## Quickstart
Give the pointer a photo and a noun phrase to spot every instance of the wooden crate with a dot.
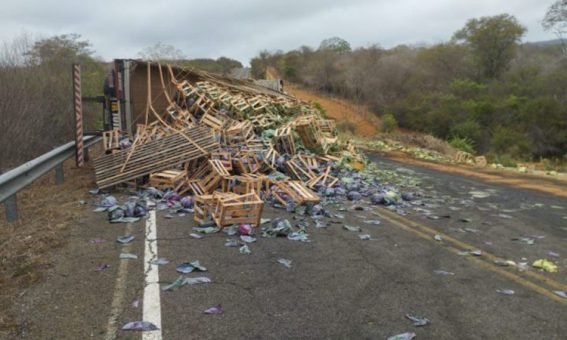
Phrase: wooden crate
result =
(186, 88)
(239, 133)
(324, 179)
(327, 127)
(192, 185)
(235, 209)
(246, 162)
(265, 183)
(270, 158)
(167, 179)
(214, 120)
(206, 179)
(111, 140)
(295, 190)
(210, 183)
(309, 161)
(310, 135)
(202, 207)
(299, 170)
(219, 168)
(224, 157)
(283, 141)
(255, 145)
(480, 161)
(242, 184)
(197, 168)
(257, 103)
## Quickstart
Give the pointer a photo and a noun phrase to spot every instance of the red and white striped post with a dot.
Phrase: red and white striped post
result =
(78, 105)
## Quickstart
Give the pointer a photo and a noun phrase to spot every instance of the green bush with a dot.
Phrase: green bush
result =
(509, 141)
(504, 159)
(320, 108)
(462, 143)
(389, 123)
(468, 129)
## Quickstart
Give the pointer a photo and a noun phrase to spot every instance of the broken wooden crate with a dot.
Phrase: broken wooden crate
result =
(283, 141)
(111, 140)
(296, 191)
(167, 179)
(309, 132)
(325, 179)
(242, 184)
(213, 174)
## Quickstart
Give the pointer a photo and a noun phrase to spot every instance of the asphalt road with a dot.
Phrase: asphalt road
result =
(338, 286)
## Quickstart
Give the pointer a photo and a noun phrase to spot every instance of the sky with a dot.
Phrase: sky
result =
(239, 29)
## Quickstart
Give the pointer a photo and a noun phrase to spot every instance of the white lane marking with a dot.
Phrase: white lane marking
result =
(152, 304)
(119, 290)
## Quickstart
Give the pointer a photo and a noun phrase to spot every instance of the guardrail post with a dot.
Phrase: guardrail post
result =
(11, 206)
(59, 176)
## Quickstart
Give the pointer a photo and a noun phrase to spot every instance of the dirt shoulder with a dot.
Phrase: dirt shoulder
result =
(46, 213)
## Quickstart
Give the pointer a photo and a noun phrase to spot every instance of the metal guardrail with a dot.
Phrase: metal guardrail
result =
(16, 179)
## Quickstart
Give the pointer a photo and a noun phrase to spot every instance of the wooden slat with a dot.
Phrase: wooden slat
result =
(154, 156)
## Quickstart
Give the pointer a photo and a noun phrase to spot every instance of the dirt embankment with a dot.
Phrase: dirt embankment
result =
(364, 122)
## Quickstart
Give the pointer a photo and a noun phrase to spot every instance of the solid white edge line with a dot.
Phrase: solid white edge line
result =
(151, 303)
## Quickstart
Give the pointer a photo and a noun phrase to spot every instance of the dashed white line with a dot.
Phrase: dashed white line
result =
(151, 303)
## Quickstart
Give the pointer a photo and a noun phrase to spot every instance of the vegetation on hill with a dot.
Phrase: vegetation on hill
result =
(36, 107)
(483, 90)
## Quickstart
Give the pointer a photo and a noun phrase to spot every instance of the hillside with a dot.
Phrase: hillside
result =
(362, 122)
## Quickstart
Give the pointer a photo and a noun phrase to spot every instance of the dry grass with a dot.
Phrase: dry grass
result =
(45, 213)
(423, 141)
(366, 122)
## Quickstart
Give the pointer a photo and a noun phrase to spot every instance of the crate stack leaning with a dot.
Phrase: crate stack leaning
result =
(230, 146)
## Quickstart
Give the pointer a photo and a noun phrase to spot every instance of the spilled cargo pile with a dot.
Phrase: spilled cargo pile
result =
(227, 147)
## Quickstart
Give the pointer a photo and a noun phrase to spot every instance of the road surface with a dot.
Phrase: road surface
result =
(338, 286)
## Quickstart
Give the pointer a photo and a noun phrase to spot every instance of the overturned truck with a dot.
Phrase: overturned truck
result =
(228, 143)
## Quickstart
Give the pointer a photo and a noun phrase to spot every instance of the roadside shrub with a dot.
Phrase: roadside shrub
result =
(389, 123)
(462, 143)
(320, 108)
(504, 159)
(468, 129)
(510, 141)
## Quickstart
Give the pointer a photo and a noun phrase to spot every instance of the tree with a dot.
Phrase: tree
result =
(65, 48)
(443, 62)
(161, 52)
(260, 63)
(226, 64)
(36, 107)
(493, 41)
(335, 44)
(556, 20)
(54, 57)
